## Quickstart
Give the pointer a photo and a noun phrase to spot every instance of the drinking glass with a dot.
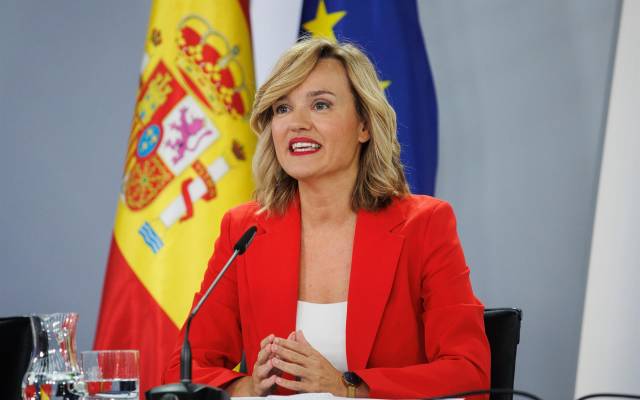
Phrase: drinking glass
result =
(111, 374)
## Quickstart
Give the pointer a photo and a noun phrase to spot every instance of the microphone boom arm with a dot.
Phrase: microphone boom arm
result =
(185, 367)
(185, 356)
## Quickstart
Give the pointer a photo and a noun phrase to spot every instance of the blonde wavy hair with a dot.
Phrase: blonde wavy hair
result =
(380, 173)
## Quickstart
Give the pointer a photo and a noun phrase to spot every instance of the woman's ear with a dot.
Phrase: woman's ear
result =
(363, 134)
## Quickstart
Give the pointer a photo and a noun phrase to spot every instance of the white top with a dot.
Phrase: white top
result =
(325, 327)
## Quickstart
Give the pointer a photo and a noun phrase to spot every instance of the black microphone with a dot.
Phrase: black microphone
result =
(245, 240)
(186, 390)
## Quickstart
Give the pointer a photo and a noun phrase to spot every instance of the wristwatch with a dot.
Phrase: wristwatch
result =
(351, 381)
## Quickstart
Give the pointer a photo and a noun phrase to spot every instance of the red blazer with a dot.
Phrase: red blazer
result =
(414, 326)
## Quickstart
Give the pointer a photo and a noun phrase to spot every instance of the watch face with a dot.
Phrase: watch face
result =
(352, 378)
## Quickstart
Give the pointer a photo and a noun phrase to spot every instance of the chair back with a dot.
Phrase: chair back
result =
(16, 346)
(502, 326)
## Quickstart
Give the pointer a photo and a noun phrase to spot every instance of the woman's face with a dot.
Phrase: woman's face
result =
(316, 130)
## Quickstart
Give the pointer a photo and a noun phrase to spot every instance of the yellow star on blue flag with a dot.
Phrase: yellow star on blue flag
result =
(323, 23)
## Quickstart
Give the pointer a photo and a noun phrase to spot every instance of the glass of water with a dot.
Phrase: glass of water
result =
(111, 374)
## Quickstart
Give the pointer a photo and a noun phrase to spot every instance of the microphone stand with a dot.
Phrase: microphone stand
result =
(187, 390)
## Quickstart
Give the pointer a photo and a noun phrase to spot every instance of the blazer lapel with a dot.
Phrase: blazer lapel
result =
(374, 262)
(272, 273)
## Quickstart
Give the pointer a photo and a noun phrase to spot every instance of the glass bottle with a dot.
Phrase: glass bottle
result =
(53, 372)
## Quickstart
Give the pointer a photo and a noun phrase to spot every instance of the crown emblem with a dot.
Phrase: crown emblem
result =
(209, 65)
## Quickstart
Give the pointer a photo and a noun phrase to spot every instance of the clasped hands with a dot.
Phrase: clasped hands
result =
(295, 356)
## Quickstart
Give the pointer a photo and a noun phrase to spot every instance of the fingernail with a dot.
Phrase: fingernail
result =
(276, 340)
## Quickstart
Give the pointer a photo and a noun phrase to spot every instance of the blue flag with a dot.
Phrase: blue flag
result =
(389, 32)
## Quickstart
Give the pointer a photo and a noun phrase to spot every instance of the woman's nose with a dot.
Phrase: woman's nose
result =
(299, 120)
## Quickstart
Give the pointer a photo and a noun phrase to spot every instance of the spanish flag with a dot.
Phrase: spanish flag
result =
(188, 161)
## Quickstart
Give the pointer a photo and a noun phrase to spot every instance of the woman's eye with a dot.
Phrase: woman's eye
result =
(321, 105)
(281, 109)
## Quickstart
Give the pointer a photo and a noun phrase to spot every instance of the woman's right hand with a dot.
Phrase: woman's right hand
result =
(264, 374)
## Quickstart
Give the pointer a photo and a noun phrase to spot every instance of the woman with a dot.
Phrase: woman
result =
(352, 285)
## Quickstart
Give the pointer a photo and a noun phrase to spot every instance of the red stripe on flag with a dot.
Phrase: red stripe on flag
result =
(244, 4)
(131, 319)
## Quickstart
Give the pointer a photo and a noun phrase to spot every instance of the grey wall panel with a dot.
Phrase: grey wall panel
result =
(68, 81)
(522, 90)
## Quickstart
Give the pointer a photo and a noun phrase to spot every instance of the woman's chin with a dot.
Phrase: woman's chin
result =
(301, 172)
(303, 177)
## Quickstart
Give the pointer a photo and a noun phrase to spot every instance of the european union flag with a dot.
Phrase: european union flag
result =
(389, 32)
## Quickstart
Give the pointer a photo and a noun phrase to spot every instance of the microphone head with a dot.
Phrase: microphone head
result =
(245, 240)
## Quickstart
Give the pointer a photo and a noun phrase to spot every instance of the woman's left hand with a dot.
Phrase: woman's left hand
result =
(297, 357)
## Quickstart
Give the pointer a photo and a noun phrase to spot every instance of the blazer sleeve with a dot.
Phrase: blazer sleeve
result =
(455, 343)
(215, 334)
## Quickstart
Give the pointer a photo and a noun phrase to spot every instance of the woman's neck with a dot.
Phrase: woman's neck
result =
(325, 203)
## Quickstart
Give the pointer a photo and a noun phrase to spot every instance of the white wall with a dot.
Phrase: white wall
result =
(609, 350)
